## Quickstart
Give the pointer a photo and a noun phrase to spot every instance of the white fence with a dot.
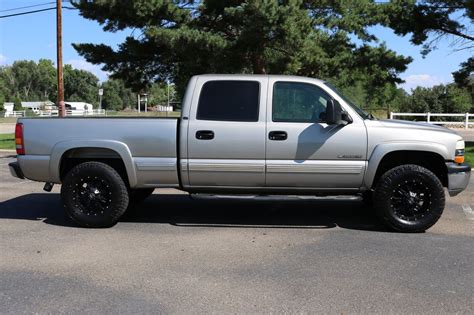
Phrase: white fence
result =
(465, 121)
(54, 112)
(19, 113)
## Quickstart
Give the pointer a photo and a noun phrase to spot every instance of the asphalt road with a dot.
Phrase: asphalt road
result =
(174, 254)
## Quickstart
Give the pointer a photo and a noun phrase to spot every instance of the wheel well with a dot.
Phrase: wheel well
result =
(429, 160)
(77, 156)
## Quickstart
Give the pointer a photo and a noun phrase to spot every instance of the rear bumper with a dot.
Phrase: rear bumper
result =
(15, 170)
(458, 177)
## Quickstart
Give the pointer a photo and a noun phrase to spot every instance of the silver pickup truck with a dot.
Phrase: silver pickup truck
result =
(247, 134)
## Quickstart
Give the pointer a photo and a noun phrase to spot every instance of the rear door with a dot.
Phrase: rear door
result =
(226, 133)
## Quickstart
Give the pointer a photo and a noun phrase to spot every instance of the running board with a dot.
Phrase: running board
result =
(274, 197)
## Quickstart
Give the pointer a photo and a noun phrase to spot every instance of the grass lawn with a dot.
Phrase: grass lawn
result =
(7, 141)
(469, 153)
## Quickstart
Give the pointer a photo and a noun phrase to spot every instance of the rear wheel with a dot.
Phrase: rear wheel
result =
(94, 195)
(409, 198)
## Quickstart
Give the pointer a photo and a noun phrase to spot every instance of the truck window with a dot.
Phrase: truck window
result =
(229, 101)
(298, 102)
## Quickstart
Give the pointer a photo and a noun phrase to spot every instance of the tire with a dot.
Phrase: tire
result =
(94, 195)
(409, 198)
(139, 195)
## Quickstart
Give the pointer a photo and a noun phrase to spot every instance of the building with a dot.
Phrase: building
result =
(78, 106)
(37, 106)
(8, 108)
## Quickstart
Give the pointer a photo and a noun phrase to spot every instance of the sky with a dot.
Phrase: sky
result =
(33, 37)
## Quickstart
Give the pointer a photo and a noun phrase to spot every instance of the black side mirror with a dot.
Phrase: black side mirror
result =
(333, 113)
(345, 117)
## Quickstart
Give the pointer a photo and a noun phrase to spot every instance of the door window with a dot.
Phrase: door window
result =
(298, 102)
(229, 101)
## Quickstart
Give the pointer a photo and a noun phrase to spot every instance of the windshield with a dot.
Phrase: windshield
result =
(359, 110)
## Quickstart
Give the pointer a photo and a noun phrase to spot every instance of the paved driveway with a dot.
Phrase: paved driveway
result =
(178, 255)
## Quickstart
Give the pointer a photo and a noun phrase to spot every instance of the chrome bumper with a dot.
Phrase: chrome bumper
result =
(15, 170)
(458, 177)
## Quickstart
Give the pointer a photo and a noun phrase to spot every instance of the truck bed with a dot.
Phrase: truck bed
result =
(148, 146)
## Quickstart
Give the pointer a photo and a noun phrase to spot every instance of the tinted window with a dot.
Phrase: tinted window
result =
(298, 102)
(229, 101)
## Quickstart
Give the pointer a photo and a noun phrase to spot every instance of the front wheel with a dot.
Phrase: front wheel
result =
(409, 198)
(94, 195)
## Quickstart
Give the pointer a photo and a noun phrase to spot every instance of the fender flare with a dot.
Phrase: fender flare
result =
(119, 147)
(381, 150)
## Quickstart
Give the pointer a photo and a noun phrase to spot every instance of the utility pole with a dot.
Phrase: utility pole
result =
(59, 47)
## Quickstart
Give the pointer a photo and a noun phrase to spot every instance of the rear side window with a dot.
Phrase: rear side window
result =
(229, 101)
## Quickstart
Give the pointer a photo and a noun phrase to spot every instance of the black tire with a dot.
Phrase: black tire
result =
(139, 195)
(94, 195)
(409, 198)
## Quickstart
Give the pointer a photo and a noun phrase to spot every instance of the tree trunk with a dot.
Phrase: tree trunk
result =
(258, 64)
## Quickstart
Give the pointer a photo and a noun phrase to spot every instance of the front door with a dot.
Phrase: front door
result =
(226, 134)
(302, 150)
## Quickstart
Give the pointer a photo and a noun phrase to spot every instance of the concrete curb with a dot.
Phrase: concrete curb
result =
(7, 153)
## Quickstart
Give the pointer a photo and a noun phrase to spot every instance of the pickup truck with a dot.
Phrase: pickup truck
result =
(247, 134)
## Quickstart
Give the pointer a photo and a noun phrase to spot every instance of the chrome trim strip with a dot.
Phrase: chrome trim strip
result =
(241, 166)
(155, 164)
(315, 167)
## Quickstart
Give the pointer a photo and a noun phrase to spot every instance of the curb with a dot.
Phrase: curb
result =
(8, 153)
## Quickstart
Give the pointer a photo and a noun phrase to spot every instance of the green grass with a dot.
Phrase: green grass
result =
(469, 153)
(7, 141)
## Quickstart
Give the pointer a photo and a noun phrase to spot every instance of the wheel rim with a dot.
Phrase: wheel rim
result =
(411, 200)
(92, 195)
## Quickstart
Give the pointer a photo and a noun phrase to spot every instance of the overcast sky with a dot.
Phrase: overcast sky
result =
(33, 37)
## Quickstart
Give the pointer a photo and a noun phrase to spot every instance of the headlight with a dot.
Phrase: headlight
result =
(459, 153)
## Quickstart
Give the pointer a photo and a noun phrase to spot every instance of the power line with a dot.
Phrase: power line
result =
(34, 11)
(27, 7)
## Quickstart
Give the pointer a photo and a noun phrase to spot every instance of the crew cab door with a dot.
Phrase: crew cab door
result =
(226, 133)
(304, 151)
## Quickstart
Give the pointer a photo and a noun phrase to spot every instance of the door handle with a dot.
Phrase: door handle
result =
(277, 135)
(205, 134)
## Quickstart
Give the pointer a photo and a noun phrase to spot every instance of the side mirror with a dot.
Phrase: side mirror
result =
(345, 117)
(333, 113)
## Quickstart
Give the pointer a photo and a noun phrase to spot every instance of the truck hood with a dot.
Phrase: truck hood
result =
(393, 123)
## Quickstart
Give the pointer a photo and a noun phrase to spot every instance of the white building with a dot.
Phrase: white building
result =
(37, 106)
(8, 108)
(78, 106)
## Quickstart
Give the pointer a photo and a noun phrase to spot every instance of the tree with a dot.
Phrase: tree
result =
(178, 39)
(459, 100)
(116, 95)
(17, 104)
(158, 94)
(46, 86)
(80, 86)
(429, 21)
(432, 21)
(438, 99)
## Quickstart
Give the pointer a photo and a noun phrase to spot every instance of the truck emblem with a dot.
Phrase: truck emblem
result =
(349, 156)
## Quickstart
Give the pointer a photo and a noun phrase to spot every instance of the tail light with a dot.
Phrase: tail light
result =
(20, 144)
